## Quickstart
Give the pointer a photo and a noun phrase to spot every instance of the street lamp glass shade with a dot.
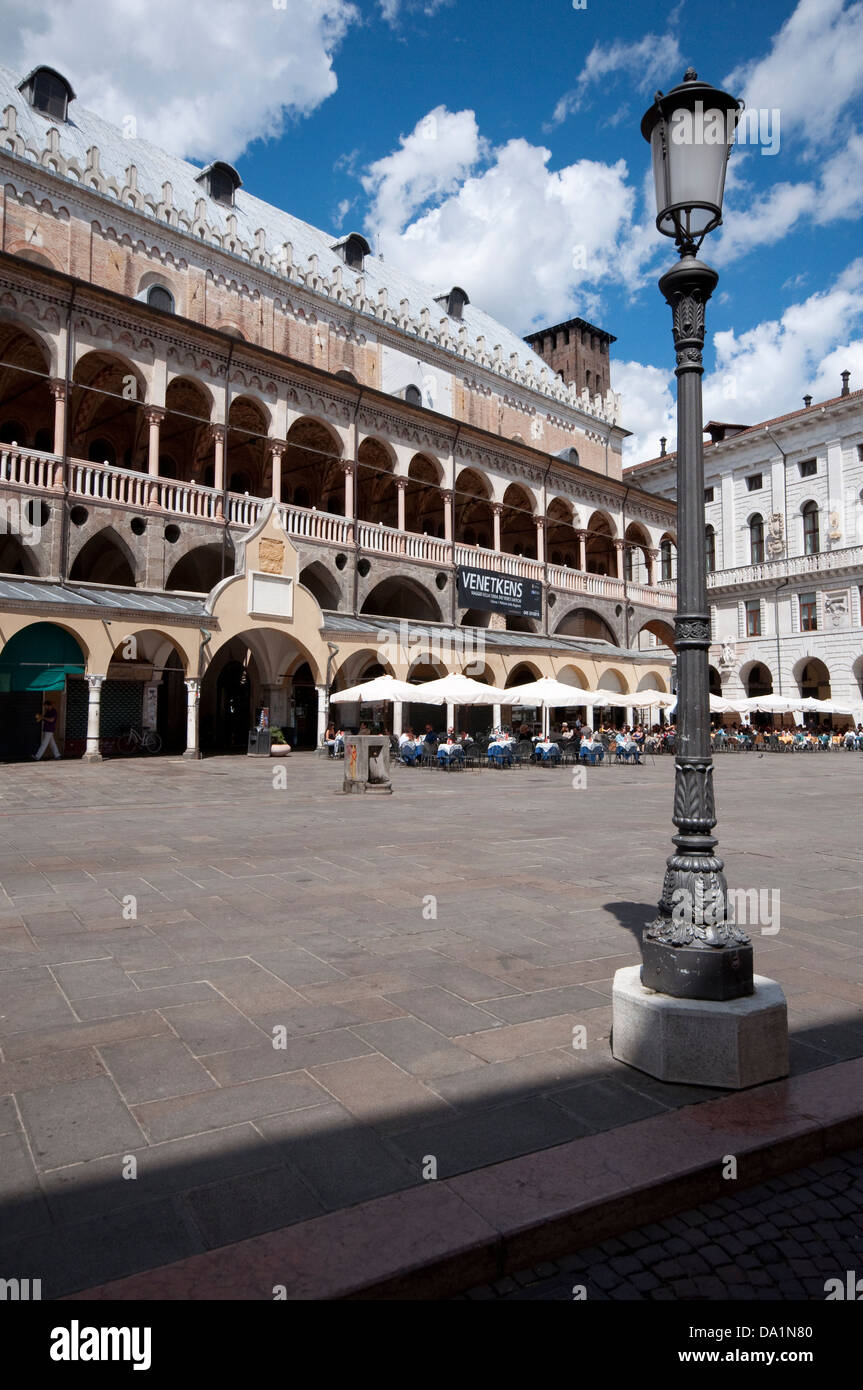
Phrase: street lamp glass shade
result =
(691, 132)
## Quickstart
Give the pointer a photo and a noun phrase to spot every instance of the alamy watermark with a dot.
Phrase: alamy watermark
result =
(462, 650)
(753, 907)
(753, 127)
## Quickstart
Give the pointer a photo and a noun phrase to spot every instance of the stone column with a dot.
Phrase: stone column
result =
(581, 543)
(540, 538)
(217, 434)
(449, 529)
(398, 717)
(348, 468)
(619, 546)
(322, 712)
(277, 449)
(497, 510)
(94, 710)
(154, 415)
(193, 696)
(450, 716)
(495, 716)
(651, 557)
(401, 489)
(57, 387)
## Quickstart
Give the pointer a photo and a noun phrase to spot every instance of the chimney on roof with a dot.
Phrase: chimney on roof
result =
(846, 377)
(807, 401)
(662, 443)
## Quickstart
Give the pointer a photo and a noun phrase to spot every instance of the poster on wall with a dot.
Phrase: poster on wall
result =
(499, 593)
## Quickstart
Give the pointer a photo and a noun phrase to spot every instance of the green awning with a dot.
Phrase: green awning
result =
(40, 657)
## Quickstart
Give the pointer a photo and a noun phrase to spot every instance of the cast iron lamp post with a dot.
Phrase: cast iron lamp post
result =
(692, 950)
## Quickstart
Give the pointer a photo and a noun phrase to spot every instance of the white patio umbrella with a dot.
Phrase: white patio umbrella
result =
(375, 690)
(768, 704)
(645, 699)
(457, 690)
(547, 693)
(718, 705)
(813, 706)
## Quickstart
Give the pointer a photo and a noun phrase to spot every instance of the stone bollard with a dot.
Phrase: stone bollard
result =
(367, 763)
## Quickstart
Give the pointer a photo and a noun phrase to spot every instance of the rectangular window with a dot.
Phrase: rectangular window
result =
(708, 495)
(753, 618)
(808, 613)
(808, 468)
(755, 482)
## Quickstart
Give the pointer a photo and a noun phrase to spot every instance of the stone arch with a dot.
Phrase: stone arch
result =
(522, 673)
(662, 631)
(402, 597)
(614, 679)
(199, 570)
(321, 584)
(358, 666)
(517, 522)
(574, 676)
(668, 558)
(756, 678)
(474, 519)
(424, 503)
(26, 406)
(149, 660)
(377, 499)
(246, 454)
(652, 681)
(104, 559)
(636, 566)
(561, 541)
(600, 552)
(813, 678)
(184, 437)
(18, 558)
(107, 398)
(312, 474)
(41, 660)
(586, 622)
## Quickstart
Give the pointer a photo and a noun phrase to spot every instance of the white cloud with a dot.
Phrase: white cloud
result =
(430, 162)
(758, 374)
(200, 78)
(645, 62)
(649, 408)
(813, 70)
(526, 242)
(391, 10)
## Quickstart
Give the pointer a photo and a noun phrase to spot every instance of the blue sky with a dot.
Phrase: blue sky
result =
(497, 146)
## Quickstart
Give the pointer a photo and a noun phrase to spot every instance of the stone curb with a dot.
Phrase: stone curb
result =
(433, 1241)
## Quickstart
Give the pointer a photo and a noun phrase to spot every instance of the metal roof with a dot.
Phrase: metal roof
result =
(35, 591)
(155, 167)
(503, 641)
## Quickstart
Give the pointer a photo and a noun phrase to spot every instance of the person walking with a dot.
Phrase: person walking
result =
(48, 719)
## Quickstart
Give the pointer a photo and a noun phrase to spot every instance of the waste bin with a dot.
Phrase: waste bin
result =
(259, 743)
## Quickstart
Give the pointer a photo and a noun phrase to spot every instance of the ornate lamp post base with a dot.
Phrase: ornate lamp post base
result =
(697, 972)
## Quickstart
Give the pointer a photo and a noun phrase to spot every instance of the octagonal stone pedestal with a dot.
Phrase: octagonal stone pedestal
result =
(731, 1043)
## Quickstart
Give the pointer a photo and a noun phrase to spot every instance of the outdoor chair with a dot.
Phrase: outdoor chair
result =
(524, 752)
(499, 757)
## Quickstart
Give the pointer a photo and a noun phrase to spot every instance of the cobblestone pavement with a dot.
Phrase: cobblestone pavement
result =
(426, 957)
(780, 1240)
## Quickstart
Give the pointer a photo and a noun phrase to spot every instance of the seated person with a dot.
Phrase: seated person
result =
(430, 738)
(465, 738)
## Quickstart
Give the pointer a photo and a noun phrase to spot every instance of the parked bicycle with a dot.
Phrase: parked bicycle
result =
(147, 740)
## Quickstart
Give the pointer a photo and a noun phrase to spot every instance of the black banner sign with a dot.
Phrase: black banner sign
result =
(499, 593)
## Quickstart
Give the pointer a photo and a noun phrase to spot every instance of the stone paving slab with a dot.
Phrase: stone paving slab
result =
(301, 918)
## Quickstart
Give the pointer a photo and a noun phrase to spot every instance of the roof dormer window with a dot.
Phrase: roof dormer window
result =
(221, 182)
(454, 302)
(48, 92)
(353, 250)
